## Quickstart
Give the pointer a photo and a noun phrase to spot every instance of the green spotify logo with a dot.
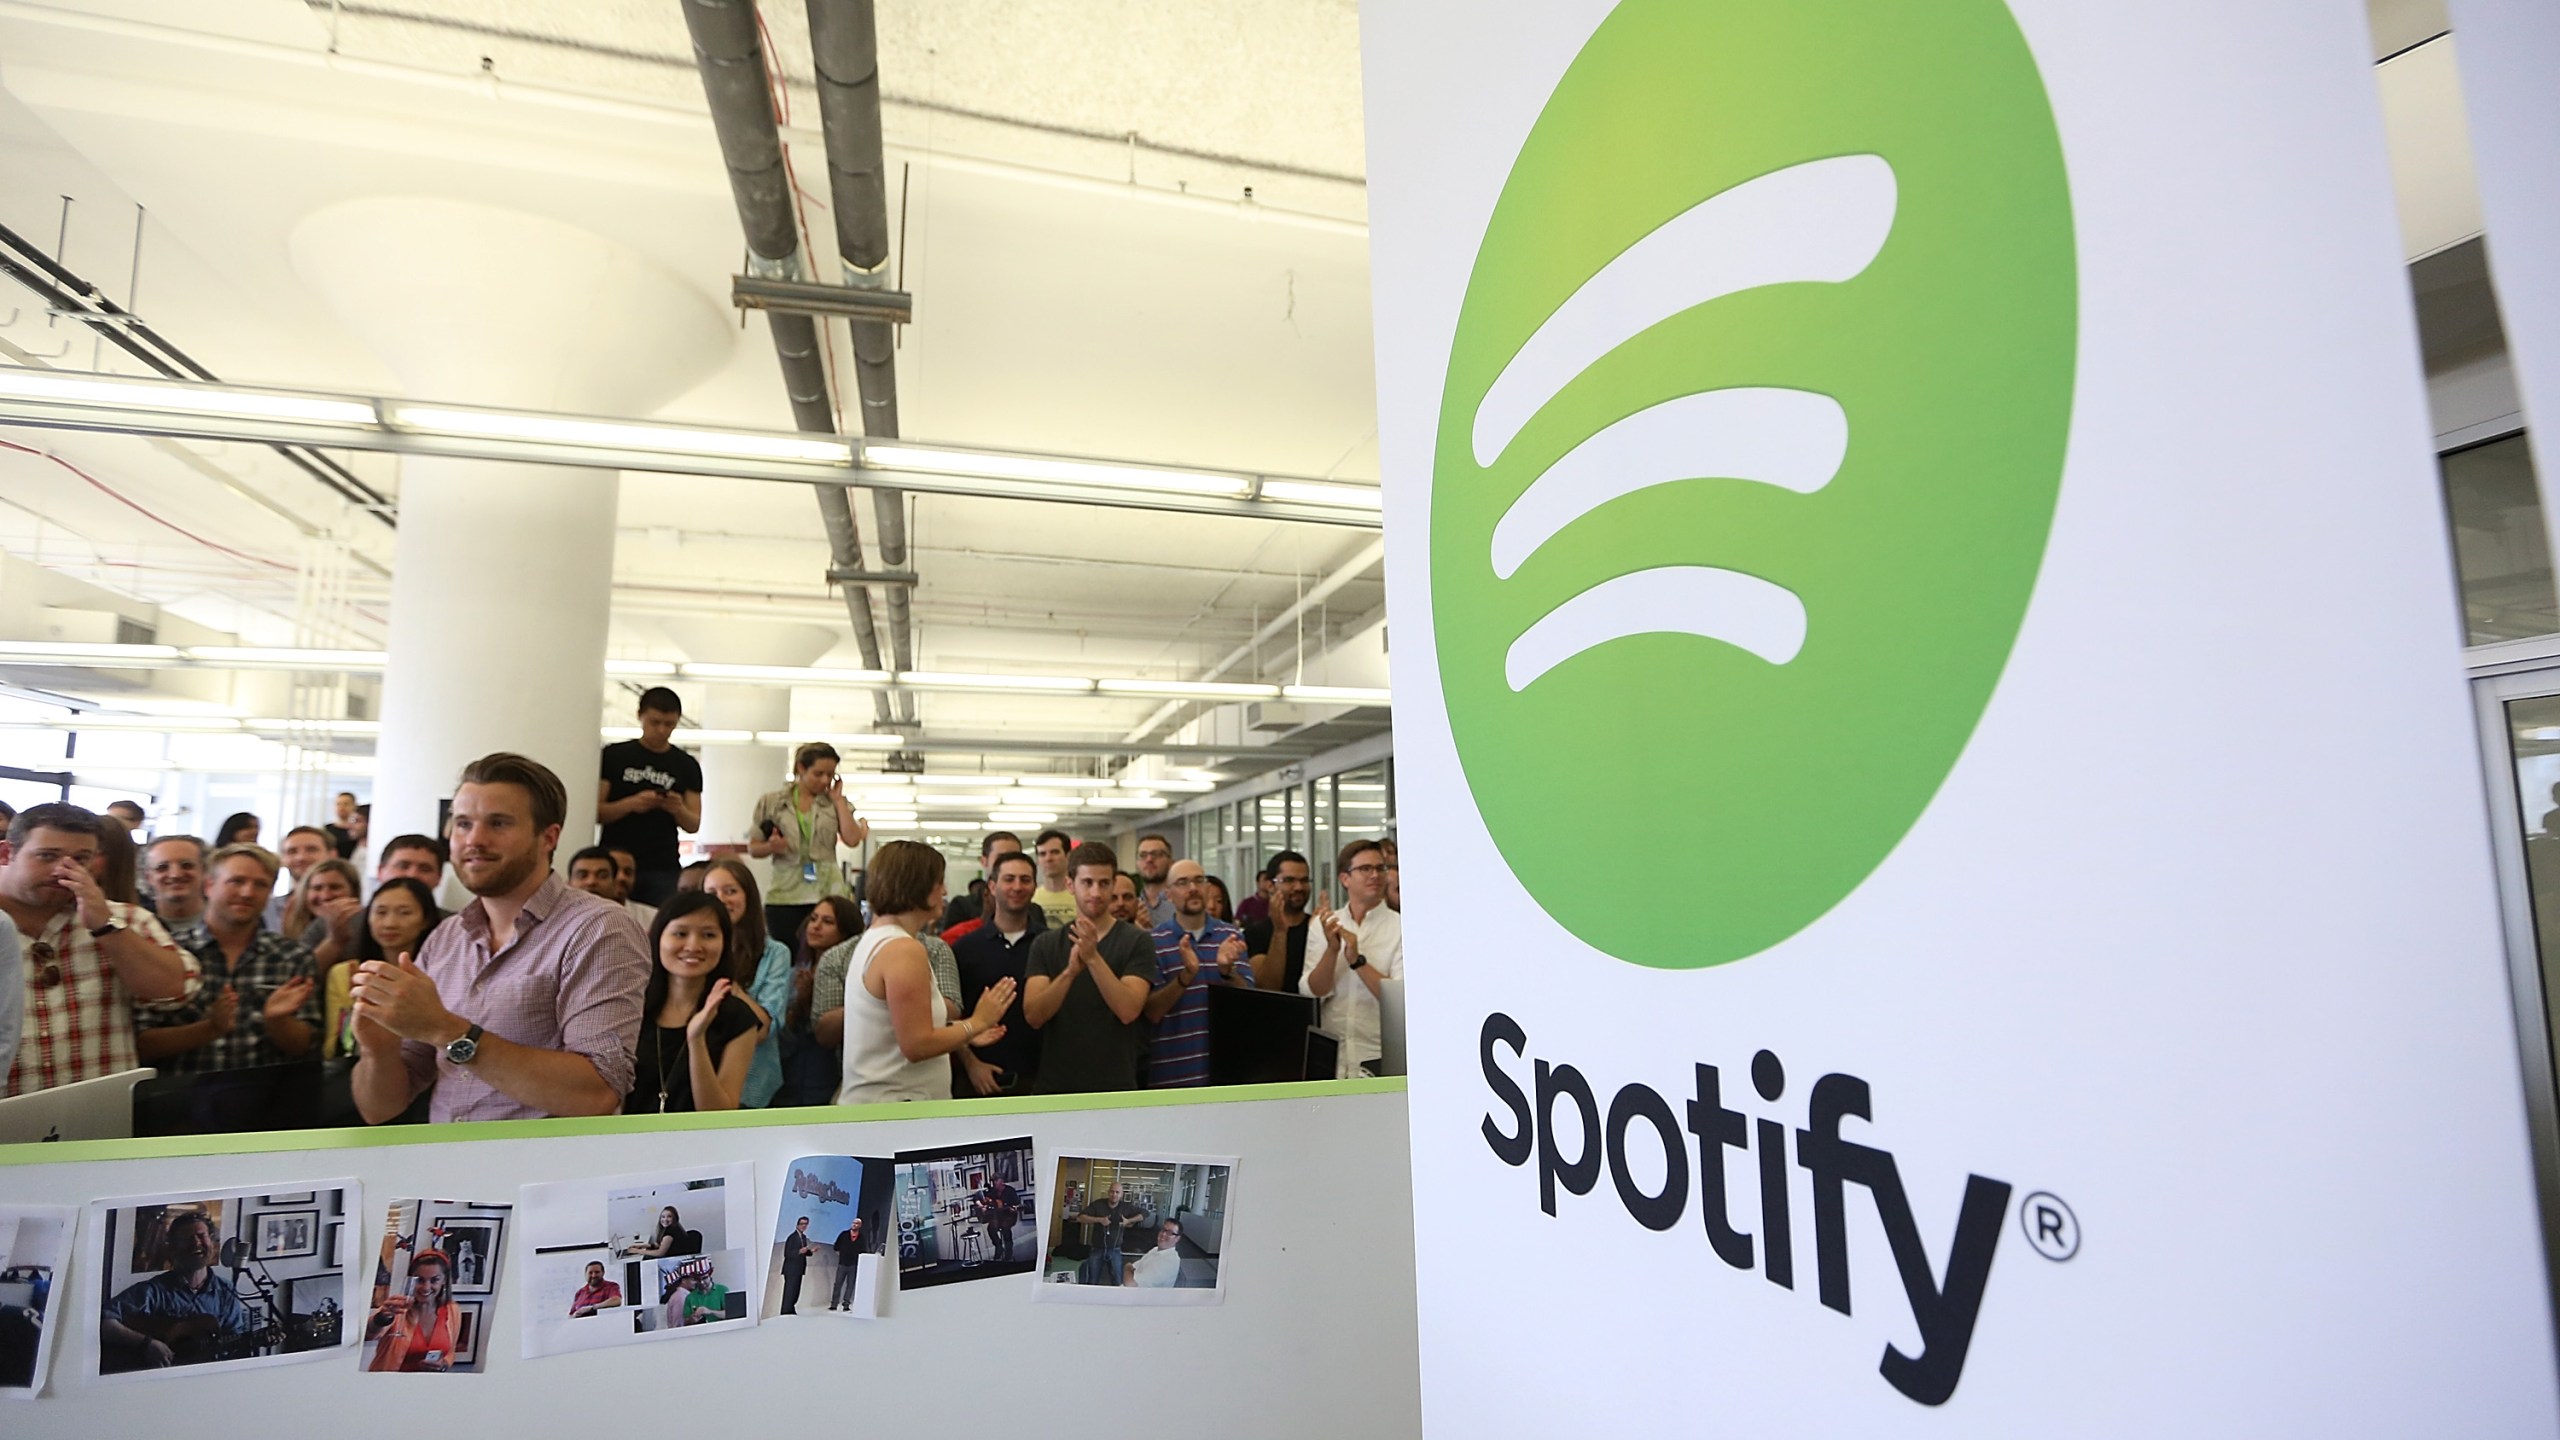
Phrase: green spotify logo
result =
(1754, 424)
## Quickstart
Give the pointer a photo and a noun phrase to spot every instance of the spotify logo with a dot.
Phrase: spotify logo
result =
(1754, 423)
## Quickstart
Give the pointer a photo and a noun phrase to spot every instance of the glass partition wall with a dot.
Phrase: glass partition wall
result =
(1313, 815)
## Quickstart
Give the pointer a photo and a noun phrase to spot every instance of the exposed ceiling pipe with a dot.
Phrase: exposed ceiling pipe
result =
(1368, 558)
(729, 51)
(844, 41)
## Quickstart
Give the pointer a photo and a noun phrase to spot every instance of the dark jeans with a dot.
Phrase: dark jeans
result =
(842, 1294)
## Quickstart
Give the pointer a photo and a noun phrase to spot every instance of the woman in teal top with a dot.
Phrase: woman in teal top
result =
(733, 883)
(796, 830)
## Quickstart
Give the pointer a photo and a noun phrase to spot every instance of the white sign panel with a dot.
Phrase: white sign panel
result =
(1948, 874)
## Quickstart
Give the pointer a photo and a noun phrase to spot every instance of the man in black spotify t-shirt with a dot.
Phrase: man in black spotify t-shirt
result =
(649, 791)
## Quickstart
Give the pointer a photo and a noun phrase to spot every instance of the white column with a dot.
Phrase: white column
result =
(502, 575)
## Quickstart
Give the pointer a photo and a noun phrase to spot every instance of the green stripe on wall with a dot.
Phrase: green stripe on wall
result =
(366, 1137)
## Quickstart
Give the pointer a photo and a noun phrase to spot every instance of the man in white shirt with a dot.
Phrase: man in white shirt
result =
(1363, 949)
(1160, 1268)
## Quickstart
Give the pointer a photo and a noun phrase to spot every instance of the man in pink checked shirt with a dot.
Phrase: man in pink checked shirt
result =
(527, 1002)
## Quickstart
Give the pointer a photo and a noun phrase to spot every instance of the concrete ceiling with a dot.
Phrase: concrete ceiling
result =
(1089, 279)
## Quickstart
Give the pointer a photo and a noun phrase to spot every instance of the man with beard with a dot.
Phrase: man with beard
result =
(196, 1308)
(1155, 863)
(548, 979)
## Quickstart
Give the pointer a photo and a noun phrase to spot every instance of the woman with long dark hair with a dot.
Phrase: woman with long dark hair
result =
(811, 1070)
(240, 829)
(396, 922)
(762, 965)
(697, 1038)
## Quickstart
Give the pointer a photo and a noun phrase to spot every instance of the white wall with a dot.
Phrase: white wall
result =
(1316, 1336)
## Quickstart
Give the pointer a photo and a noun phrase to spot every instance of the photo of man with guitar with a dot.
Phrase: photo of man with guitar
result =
(185, 1315)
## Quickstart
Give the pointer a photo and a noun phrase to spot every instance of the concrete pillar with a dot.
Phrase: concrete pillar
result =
(502, 574)
(733, 776)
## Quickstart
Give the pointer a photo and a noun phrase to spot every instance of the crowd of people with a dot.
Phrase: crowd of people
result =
(629, 981)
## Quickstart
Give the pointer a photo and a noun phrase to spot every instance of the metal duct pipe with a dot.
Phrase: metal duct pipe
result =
(844, 40)
(730, 54)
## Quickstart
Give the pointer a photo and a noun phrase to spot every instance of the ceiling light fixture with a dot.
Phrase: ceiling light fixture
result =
(1338, 694)
(1189, 689)
(57, 388)
(1323, 492)
(1005, 465)
(102, 657)
(785, 674)
(278, 657)
(616, 434)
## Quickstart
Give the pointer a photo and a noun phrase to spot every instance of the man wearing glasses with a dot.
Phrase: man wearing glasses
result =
(1363, 949)
(90, 962)
(1193, 952)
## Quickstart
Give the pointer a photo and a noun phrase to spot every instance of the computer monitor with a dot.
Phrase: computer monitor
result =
(1391, 1026)
(223, 1102)
(100, 1109)
(1257, 1037)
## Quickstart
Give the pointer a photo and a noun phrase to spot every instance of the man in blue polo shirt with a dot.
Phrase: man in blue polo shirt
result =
(1193, 952)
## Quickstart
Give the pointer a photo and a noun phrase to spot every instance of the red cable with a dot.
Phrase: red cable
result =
(146, 514)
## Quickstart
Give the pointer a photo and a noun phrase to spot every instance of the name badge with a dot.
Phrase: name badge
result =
(809, 872)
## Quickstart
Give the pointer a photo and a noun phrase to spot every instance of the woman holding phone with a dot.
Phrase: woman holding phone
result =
(796, 831)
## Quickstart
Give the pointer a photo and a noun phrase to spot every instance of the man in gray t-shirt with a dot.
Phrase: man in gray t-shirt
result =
(1086, 991)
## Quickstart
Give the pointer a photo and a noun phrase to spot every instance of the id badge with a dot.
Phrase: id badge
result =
(808, 872)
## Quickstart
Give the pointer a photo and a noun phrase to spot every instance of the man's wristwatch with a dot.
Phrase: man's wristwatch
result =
(466, 1049)
(1359, 962)
(103, 931)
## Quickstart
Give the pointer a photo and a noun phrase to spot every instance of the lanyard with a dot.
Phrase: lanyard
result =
(808, 827)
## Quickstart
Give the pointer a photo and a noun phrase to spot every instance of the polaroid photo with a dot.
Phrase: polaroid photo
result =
(594, 1249)
(967, 1212)
(830, 1238)
(35, 1253)
(437, 1268)
(214, 1279)
(685, 1291)
(1137, 1229)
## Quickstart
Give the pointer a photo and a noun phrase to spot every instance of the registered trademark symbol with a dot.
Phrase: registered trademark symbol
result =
(2050, 1226)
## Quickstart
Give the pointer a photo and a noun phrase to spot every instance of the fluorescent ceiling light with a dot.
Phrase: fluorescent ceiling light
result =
(717, 737)
(786, 674)
(290, 659)
(1187, 787)
(899, 825)
(639, 670)
(1127, 802)
(616, 434)
(65, 652)
(316, 727)
(947, 680)
(864, 741)
(1006, 466)
(979, 781)
(1061, 782)
(953, 800)
(1189, 689)
(1338, 694)
(622, 732)
(1020, 817)
(1322, 492)
(170, 395)
(150, 724)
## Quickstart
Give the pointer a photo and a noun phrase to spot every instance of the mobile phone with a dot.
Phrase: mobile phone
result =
(768, 829)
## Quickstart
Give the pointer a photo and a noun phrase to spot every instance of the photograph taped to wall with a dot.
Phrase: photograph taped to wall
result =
(686, 1291)
(35, 1246)
(593, 1248)
(1137, 1229)
(966, 1212)
(215, 1279)
(830, 1237)
(433, 1254)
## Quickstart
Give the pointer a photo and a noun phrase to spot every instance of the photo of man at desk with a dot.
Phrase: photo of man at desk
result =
(1138, 1230)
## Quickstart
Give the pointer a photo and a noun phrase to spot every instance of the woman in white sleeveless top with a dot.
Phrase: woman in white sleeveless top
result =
(898, 1030)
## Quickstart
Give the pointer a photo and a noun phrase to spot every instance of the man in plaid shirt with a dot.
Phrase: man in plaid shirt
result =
(258, 1002)
(90, 962)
